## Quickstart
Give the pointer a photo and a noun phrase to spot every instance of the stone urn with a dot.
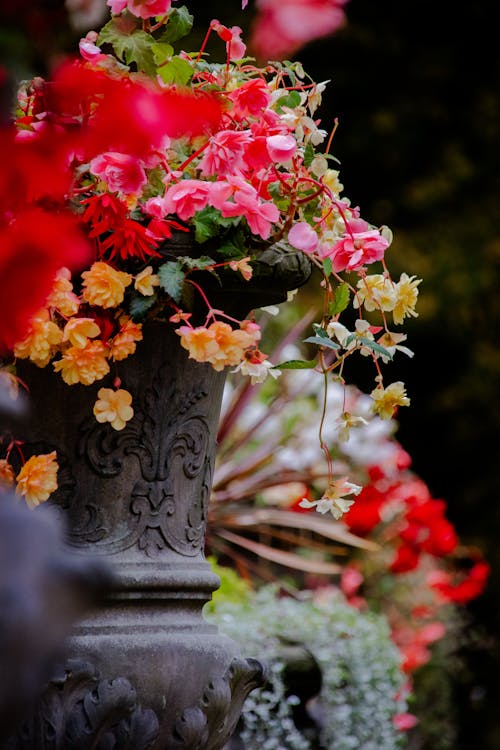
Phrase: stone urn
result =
(144, 669)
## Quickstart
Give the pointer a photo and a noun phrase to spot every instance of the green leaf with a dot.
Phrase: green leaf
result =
(341, 298)
(296, 364)
(320, 331)
(309, 154)
(196, 263)
(162, 51)
(129, 46)
(208, 223)
(374, 346)
(171, 278)
(180, 23)
(327, 266)
(320, 341)
(176, 72)
(139, 306)
(291, 100)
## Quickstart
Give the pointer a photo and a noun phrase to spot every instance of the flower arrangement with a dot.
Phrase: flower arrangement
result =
(172, 176)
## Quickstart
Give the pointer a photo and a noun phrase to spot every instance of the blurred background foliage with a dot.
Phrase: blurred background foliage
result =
(415, 87)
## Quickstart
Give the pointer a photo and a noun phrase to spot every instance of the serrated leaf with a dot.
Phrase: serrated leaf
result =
(130, 46)
(139, 306)
(208, 223)
(180, 23)
(162, 51)
(199, 264)
(171, 278)
(341, 298)
(176, 72)
(296, 364)
(320, 341)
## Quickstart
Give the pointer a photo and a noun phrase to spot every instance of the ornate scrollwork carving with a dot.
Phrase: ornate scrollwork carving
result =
(80, 711)
(171, 440)
(209, 725)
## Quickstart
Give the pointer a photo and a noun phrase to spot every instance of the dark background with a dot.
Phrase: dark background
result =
(415, 87)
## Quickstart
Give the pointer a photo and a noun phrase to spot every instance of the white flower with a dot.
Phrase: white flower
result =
(258, 371)
(333, 499)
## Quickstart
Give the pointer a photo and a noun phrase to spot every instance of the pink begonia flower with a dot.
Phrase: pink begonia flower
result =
(244, 4)
(141, 8)
(283, 26)
(88, 49)
(224, 155)
(121, 173)
(281, 148)
(358, 247)
(234, 46)
(186, 198)
(246, 202)
(250, 98)
(303, 237)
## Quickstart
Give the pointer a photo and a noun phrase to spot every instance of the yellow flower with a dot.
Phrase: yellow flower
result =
(113, 407)
(83, 365)
(62, 298)
(6, 474)
(79, 330)
(124, 343)
(386, 400)
(145, 282)
(375, 292)
(42, 341)
(37, 480)
(104, 286)
(406, 297)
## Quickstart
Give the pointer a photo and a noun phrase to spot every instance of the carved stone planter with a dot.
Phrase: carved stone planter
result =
(147, 663)
(145, 670)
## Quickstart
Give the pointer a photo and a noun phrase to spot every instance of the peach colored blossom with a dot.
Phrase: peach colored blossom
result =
(37, 480)
(79, 330)
(104, 286)
(62, 297)
(146, 281)
(83, 365)
(200, 342)
(243, 266)
(113, 407)
(124, 343)
(42, 341)
(6, 474)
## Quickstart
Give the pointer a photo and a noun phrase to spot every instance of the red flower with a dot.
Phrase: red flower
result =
(364, 515)
(130, 240)
(104, 213)
(407, 558)
(32, 249)
(468, 588)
